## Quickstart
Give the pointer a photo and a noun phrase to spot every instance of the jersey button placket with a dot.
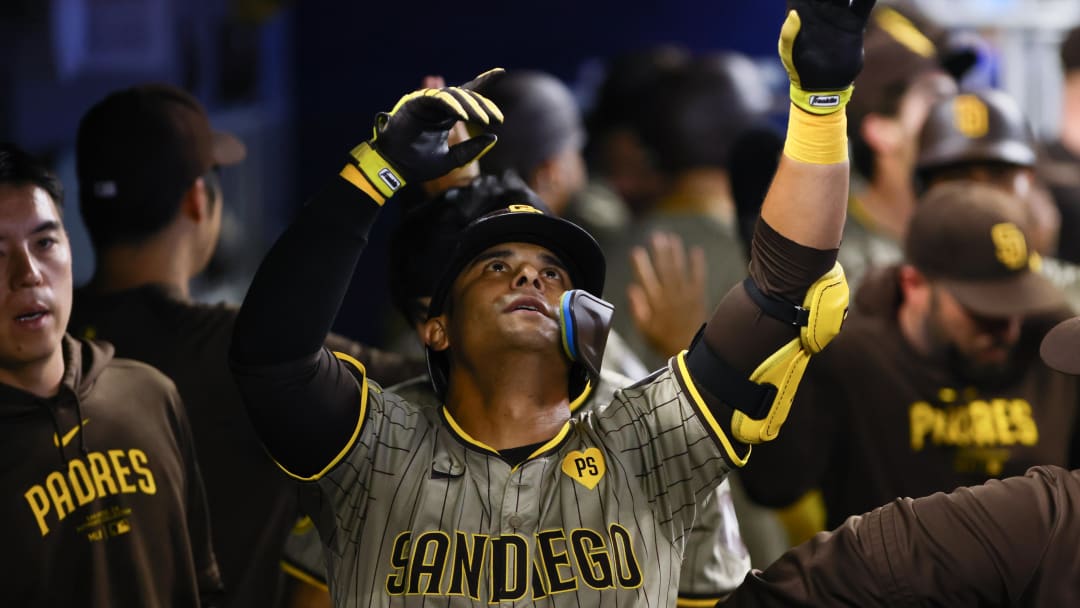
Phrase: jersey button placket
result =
(520, 501)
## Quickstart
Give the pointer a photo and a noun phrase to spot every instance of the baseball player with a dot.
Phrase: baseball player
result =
(102, 499)
(1004, 543)
(935, 382)
(715, 561)
(148, 161)
(498, 496)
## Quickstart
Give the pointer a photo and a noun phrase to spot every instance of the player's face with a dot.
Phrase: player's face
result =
(983, 345)
(35, 276)
(509, 295)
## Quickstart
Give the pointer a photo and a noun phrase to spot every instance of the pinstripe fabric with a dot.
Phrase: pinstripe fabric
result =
(418, 514)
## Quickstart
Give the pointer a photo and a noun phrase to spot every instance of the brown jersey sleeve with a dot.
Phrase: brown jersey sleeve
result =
(1004, 543)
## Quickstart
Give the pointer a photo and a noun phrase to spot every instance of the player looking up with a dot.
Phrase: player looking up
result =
(498, 495)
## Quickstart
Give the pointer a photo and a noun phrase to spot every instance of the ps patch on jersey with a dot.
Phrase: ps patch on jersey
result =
(586, 468)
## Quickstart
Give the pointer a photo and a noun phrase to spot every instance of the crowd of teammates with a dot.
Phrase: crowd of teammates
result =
(550, 427)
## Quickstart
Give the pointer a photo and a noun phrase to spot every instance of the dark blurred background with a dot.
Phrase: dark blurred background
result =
(300, 83)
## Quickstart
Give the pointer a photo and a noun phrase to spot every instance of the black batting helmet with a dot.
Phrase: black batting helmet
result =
(575, 247)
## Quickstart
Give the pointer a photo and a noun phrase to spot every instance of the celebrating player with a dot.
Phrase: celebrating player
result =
(498, 496)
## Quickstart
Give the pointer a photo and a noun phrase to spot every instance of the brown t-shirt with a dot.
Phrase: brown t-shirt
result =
(252, 505)
(1005, 543)
(102, 502)
(874, 420)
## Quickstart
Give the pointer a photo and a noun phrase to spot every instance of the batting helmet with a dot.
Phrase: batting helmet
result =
(983, 127)
(574, 246)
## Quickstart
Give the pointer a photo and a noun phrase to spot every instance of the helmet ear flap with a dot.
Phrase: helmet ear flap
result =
(585, 322)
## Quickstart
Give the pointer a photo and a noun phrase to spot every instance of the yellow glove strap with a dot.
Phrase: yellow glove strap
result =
(819, 139)
(374, 170)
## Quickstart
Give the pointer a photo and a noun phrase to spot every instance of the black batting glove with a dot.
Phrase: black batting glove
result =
(821, 45)
(410, 141)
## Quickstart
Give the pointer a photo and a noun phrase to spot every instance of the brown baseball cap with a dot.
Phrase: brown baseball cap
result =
(969, 237)
(1061, 347)
(137, 151)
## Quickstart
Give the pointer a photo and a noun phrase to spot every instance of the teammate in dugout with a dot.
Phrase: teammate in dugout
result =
(499, 496)
(102, 496)
(1005, 543)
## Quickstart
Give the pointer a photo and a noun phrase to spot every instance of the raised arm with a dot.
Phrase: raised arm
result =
(303, 402)
(750, 357)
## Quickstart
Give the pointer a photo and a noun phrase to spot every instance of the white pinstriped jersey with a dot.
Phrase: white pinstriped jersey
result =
(417, 513)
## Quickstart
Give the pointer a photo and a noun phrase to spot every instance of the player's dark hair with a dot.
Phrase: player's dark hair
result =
(19, 168)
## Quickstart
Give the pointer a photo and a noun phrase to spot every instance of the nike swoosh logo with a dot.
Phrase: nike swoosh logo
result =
(68, 436)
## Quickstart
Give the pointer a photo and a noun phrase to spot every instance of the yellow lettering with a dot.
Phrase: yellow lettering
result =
(102, 474)
(982, 423)
(146, 476)
(1001, 422)
(921, 417)
(81, 484)
(959, 429)
(121, 471)
(60, 495)
(1027, 432)
(39, 504)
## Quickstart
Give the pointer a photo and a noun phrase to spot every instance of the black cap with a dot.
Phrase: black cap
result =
(574, 247)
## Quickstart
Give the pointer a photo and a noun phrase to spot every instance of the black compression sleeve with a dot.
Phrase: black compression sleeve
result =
(302, 281)
(300, 399)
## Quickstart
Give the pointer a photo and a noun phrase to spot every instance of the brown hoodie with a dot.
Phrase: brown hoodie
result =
(101, 496)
